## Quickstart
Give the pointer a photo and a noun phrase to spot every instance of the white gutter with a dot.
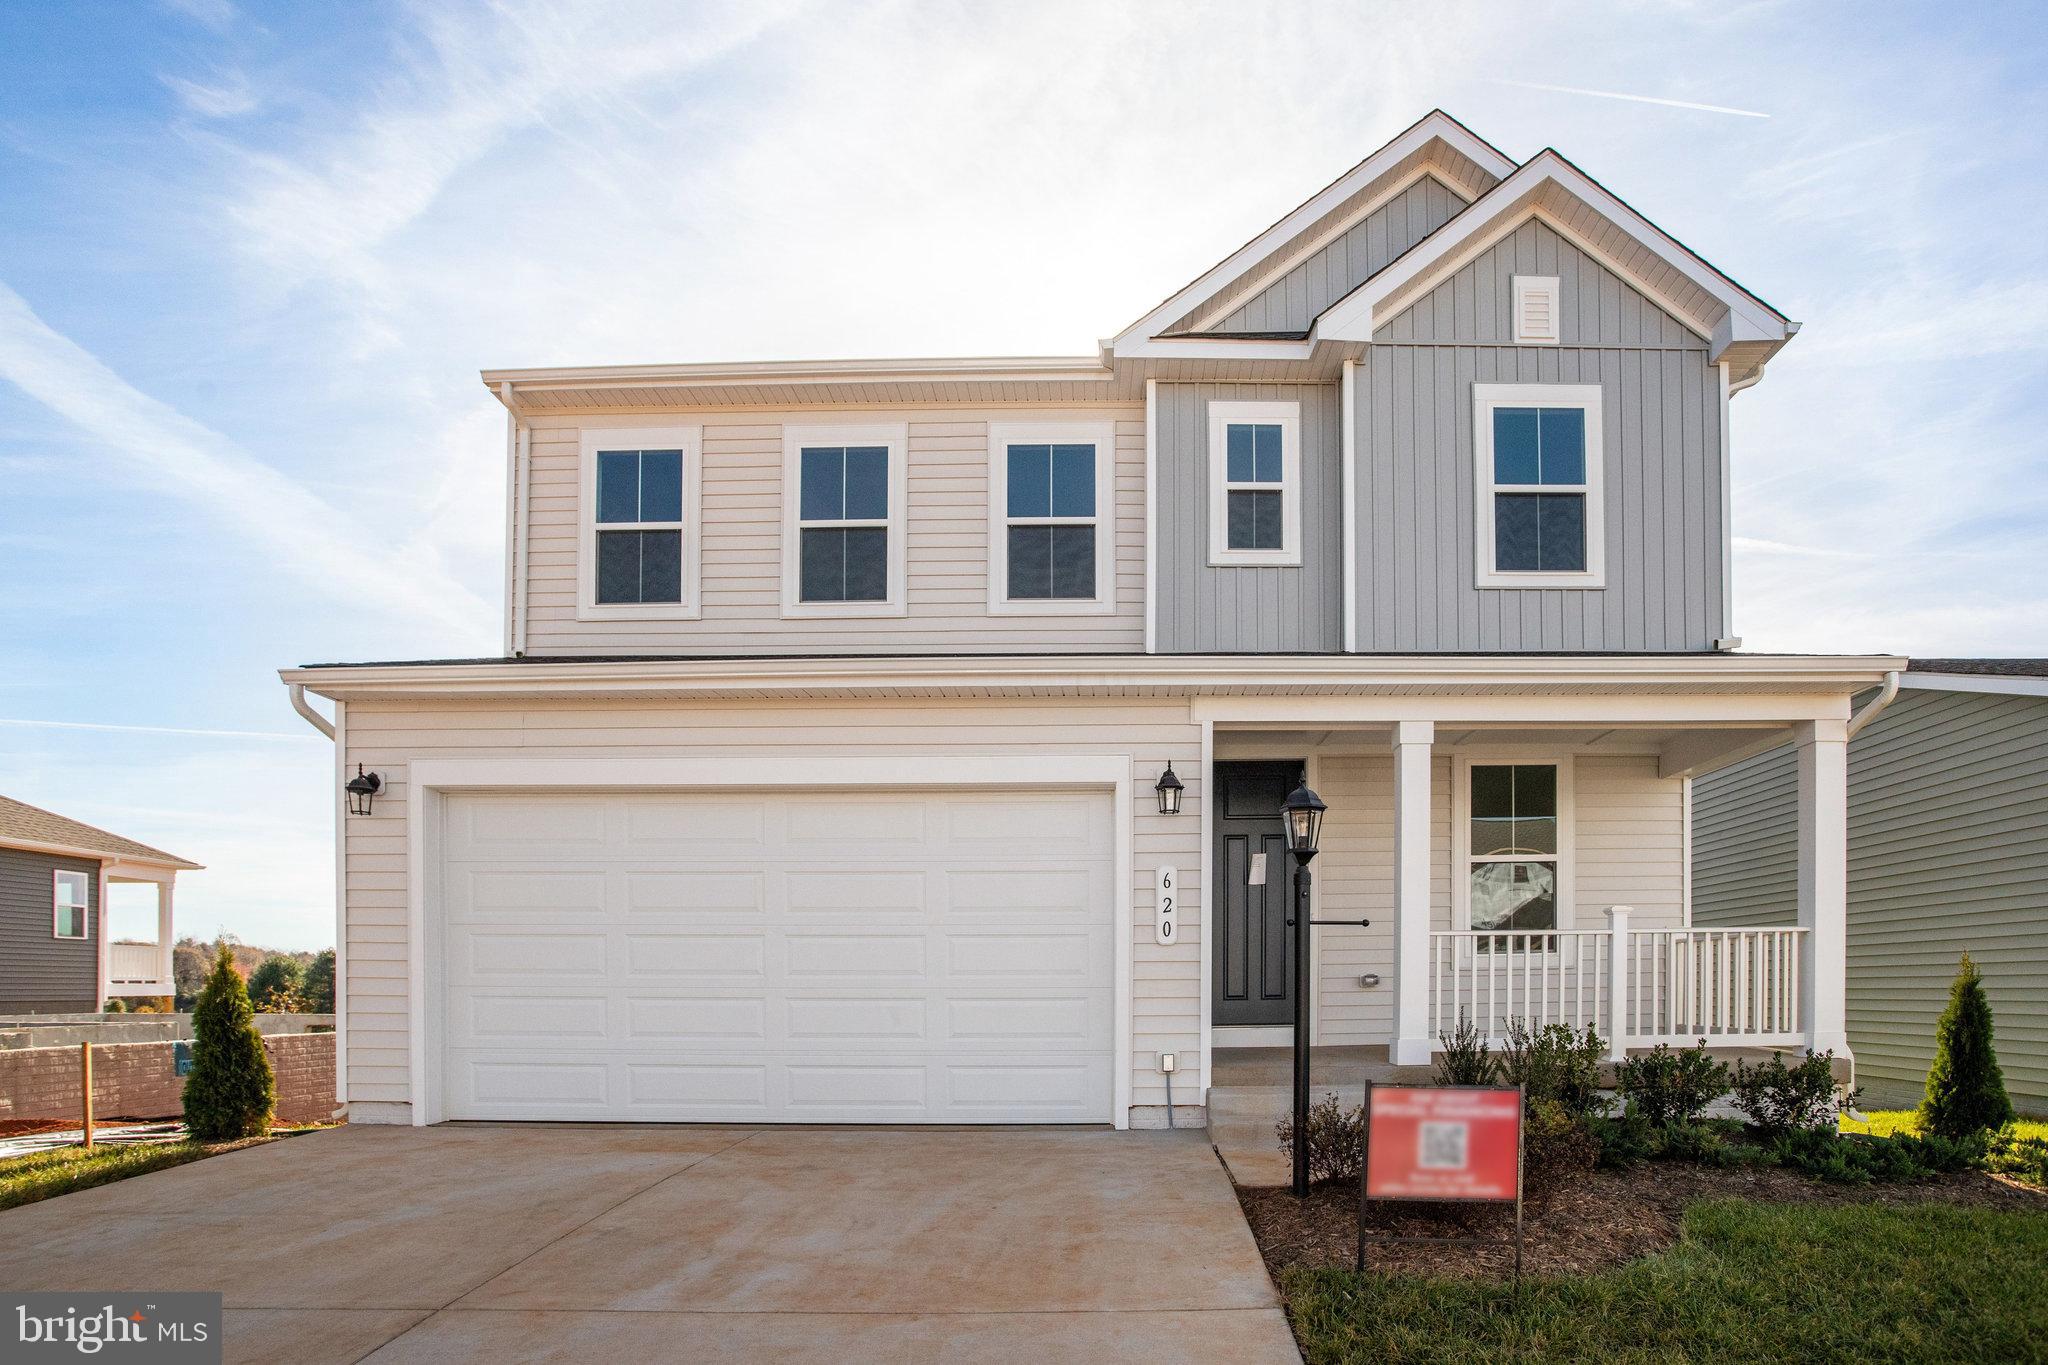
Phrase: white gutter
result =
(1877, 704)
(313, 718)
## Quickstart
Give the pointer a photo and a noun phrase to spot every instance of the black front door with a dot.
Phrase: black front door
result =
(1254, 956)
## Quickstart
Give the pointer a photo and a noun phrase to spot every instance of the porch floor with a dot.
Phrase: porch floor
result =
(1253, 1088)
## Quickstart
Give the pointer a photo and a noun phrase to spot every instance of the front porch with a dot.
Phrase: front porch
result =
(136, 957)
(1573, 909)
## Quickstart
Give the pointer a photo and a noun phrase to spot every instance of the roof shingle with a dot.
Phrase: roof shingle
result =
(22, 823)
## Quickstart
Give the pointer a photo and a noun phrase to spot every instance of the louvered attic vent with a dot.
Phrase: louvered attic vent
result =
(1535, 309)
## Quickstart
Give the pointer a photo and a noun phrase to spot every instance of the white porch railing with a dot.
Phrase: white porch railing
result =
(1638, 988)
(131, 966)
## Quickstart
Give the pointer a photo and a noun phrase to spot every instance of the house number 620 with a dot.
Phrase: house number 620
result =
(1166, 927)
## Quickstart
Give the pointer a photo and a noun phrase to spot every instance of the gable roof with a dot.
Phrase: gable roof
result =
(32, 827)
(1741, 327)
(2015, 677)
(1435, 141)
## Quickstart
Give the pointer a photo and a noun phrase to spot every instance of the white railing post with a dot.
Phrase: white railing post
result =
(1824, 883)
(1411, 743)
(1617, 982)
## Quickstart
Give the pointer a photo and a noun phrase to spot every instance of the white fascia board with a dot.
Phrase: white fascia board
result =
(1828, 676)
(505, 384)
(1435, 124)
(1353, 317)
(1976, 682)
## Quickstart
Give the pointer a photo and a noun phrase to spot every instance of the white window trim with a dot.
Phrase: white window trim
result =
(1487, 397)
(1003, 435)
(1524, 286)
(1288, 416)
(1461, 832)
(896, 437)
(83, 904)
(689, 440)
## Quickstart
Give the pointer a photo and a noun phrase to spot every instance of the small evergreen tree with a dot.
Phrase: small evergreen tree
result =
(319, 985)
(276, 976)
(230, 1091)
(1965, 1090)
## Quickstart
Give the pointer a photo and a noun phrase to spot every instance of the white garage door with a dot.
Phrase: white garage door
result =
(806, 957)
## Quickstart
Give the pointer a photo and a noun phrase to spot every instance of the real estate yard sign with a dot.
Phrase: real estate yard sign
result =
(1442, 1143)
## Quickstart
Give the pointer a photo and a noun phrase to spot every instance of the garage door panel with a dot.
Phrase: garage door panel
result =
(706, 958)
(934, 957)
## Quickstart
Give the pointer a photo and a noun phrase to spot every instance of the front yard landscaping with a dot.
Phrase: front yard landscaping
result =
(45, 1175)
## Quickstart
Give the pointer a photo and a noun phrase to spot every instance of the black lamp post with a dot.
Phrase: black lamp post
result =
(1303, 812)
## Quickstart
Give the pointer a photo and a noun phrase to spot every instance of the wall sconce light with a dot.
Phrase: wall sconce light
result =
(1169, 790)
(362, 789)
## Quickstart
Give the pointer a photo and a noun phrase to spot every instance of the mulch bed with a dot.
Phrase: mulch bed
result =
(1583, 1221)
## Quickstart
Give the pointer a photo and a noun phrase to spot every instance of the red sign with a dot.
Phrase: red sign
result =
(1442, 1142)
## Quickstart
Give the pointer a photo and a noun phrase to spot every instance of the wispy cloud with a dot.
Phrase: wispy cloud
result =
(212, 13)
(1634, 99)
(297, 532)
(228, 96)
(158, 730)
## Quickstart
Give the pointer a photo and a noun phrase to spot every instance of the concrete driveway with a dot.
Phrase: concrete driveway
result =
(578, 1243)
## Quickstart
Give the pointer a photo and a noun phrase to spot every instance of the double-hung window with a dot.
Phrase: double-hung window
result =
(1052, 506)
(1254, 483)
(843, 521)
(1538, 476)
(68, 913)
(1515, 846)
(641, 498)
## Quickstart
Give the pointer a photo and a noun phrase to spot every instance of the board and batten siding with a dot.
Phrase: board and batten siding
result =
(1948, 835)
(40, 972)
(1661, 420)
(1292, 302)
(946, 540)
(1628, 849)
(1234, 608)
(387, 737)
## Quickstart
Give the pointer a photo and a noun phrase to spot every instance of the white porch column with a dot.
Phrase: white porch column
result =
(1411, 740)
(164, 890)
(1824, 883)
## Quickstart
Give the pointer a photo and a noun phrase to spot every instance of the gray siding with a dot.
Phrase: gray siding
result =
(1203, 607)
(1661, 414)
(1948, 835)
(37, 971)
(1293, 301)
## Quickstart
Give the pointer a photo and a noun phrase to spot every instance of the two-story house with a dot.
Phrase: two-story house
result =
(820, 779)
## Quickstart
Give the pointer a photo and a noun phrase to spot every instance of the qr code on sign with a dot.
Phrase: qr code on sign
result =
(1443, 1146)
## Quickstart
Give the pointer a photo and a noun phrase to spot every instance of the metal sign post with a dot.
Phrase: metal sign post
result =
(1441, 1144)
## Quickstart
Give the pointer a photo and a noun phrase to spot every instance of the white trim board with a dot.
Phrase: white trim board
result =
(429, 780)
(1976, 682)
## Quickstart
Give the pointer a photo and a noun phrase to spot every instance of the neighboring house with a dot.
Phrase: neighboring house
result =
(1948, 833)
(56, 955)
(817, 780)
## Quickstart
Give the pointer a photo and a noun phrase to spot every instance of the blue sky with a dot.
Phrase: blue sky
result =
(252, 257)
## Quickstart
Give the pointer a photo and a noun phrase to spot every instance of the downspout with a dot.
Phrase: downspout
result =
(1877, 703)
(313, 718)
(519, 449)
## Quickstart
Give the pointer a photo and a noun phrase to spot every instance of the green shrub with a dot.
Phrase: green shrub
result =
(1779, 1099)
(1670, 1087)
(1466, 1059)
(229, 1092)
(2022, 1158)
(1556, 1142)
(1861, 1159)
(1555, 1063)
(1965, 1090)
(1334, 1139)
(115, 1005)
(1627, 1140)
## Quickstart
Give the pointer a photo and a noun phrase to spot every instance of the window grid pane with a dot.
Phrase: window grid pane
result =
(1254, 520)
(1542, 532)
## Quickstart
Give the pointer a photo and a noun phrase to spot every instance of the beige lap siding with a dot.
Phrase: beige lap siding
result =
(387, 737)
(1628, 845)
(946, 545)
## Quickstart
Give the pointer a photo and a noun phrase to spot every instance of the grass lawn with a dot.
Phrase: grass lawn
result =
(1885, 1122)
(44, 1175)
(1748, 1281)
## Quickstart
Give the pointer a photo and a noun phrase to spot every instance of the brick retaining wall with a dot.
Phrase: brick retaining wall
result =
(140, 1080)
